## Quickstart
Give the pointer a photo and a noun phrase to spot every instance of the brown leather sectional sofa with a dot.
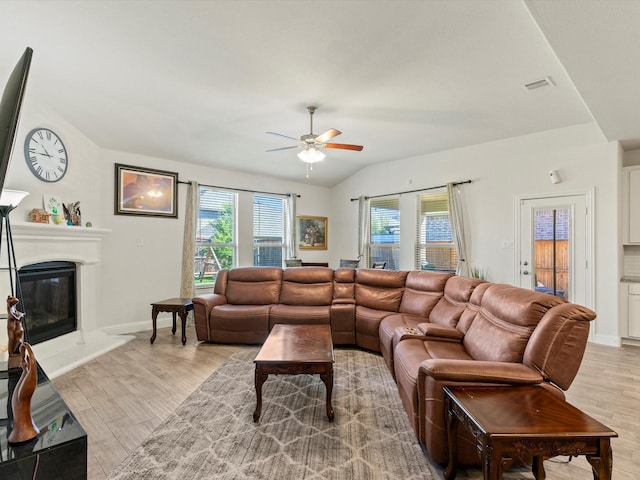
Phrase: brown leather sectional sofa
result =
(433, 329)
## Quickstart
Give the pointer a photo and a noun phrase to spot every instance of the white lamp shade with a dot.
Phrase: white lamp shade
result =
(11, 197)
(311, 155)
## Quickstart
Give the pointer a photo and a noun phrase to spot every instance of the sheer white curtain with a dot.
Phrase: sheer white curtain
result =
(290, 225)
(189, 239)
(457, 227)
(363, 230)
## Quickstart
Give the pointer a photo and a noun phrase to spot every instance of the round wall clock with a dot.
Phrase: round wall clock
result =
(46, 155)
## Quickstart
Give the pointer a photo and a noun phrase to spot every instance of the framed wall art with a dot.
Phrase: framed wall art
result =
(145, 191)
(312, 233)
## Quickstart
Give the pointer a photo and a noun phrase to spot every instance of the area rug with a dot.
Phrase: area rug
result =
(212, 434)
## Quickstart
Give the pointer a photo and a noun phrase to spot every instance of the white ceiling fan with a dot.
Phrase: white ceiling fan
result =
(312, 143)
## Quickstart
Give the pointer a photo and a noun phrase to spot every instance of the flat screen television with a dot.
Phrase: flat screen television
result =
(10, 110)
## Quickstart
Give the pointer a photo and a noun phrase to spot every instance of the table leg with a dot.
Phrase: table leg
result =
(327, 378)
(602, 465)
(538, 468)
(493, 463)
(452, 432)
(183, 320)
(154, 316)
(260, 378)
(173, 329)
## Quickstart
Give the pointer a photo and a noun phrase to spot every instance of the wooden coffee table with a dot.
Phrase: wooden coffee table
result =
(294, 350)
(513, 422)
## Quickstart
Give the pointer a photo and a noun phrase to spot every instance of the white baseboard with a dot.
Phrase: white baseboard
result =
(607, 340)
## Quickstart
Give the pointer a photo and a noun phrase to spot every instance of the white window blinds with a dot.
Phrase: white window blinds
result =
(435, 249)
(269, 230)
(384, 233)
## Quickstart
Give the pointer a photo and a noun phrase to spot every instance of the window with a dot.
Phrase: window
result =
(215, 234)
(269, 227)
(384, 233)
(435, 249)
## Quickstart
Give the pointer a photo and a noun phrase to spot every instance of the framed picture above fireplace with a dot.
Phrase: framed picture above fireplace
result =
(145, 191)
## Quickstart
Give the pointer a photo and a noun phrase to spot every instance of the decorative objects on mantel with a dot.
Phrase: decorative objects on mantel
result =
(53, 206)
(38, 215)
(72, 213)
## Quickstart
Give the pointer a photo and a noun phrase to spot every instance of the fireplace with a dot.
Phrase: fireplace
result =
(49, 299)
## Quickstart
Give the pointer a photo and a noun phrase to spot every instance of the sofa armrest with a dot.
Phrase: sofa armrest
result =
(202, 306)
(343, 301)
(478, 371)
(209, 300)
(444, 332)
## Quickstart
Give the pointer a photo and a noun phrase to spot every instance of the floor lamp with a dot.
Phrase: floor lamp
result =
(9, 199)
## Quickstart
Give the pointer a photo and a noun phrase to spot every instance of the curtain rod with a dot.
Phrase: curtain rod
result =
(239, 189)
(412, 191)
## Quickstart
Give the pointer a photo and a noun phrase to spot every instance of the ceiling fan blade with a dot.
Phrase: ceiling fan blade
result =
(344, 146)
(282, 148)
(281, 135)
(328, 135)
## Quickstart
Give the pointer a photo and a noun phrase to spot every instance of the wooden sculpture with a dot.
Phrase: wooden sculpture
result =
(15, 332)
(24, 429)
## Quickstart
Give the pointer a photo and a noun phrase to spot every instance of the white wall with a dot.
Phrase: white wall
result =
(501, 171)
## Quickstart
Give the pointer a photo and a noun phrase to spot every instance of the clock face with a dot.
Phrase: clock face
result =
(46, 155)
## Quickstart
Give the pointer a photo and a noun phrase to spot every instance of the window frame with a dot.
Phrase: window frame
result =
(201, 246)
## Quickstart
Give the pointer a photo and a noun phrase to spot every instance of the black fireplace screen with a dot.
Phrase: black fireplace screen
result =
(49, 299)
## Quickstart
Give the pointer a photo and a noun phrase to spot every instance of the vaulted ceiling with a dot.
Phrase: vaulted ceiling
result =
(202, 81)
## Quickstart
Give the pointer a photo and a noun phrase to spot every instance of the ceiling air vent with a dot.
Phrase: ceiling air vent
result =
(543, 82)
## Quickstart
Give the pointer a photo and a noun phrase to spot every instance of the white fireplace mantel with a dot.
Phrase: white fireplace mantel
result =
(41, 242)
(37, 242)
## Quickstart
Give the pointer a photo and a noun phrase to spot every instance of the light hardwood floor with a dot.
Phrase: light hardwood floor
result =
(120, 397)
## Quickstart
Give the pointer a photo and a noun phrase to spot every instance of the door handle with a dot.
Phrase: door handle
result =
(525, 272)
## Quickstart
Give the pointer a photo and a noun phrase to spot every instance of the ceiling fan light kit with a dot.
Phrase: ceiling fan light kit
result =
(311, 155)
(311, 143)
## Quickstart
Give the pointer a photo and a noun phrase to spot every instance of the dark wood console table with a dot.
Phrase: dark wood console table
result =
(180, 306)
(59, 451)
(514, 422)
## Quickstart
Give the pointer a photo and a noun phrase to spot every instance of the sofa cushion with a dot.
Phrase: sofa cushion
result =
(422, 291)
(307, 286)
(380, 289)
(507, 317)
(300, 314)
(457, 293)
(239, 323)
(253, 285)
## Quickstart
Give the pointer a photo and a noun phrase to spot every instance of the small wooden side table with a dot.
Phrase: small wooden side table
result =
(513, 422)
(180, 306)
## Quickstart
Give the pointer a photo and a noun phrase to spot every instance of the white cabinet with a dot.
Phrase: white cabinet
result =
(633, 300)
(631, 205)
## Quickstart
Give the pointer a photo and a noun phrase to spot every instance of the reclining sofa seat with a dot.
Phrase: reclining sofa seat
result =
(436, 298)
(378, 294)
(510, 336)
(305, 297)
(238, 310)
